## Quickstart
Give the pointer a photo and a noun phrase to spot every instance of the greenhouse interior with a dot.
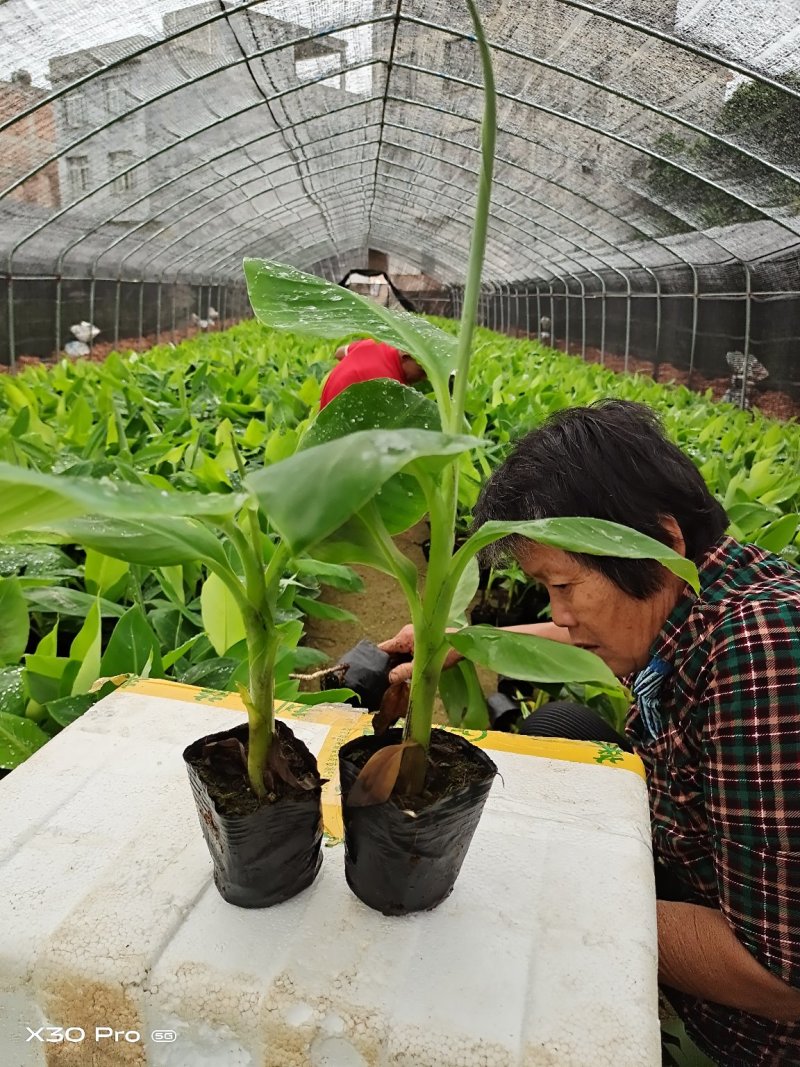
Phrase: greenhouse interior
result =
(407, 395)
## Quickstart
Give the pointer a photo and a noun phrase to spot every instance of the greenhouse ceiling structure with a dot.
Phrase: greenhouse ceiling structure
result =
(647, 178)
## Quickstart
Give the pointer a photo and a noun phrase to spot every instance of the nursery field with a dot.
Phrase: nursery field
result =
(199, 415)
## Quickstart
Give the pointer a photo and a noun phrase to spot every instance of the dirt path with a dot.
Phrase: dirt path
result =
(380, 608)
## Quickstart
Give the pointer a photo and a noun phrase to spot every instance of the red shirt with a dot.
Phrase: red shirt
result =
(365, 361)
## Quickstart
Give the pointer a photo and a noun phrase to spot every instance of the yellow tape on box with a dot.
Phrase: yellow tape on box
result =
(344, 725)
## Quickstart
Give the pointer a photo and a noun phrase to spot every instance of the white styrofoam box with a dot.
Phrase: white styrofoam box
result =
(544, 954)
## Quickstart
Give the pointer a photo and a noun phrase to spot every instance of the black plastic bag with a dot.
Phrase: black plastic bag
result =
(504, 712)
(271, 854)
(366, 673)
(396, 862)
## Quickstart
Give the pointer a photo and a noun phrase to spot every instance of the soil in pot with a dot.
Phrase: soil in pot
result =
(404, 855)
(266, 851)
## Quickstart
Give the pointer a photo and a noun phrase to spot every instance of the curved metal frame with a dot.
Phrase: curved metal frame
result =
(462, 222)
(546, 206)
(397, 15)
(498, 303)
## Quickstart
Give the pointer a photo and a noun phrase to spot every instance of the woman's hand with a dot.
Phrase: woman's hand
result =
(403, 644)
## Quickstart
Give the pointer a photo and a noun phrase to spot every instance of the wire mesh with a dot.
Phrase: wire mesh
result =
(647, 195)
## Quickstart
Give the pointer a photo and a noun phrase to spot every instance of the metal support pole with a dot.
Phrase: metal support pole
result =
(695, 310)
(583, 319)
(116, 311)
(627, 320)
(538, 310)
(91, 314)
(656, 357)
(748, 309)
(12, 350)
(141, 310)
(158, 312)
(566, 316)
(603, 308)
(172, 330)
(58, 314)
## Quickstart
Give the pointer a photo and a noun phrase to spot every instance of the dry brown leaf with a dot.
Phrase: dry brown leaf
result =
(391, 769)
(278, 765)
(229, 755)
(393, 707)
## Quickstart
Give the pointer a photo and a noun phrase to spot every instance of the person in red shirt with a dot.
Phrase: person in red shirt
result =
(364, 361)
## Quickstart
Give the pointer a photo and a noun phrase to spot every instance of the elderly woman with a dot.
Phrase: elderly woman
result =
(716, 718)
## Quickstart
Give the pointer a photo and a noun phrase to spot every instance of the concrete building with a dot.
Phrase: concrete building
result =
(189, 101)
(28, 143)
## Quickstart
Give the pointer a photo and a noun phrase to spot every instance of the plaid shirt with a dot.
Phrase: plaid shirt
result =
(720, 740)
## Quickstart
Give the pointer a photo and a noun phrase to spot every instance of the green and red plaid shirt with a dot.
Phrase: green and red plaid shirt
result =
(720, 741)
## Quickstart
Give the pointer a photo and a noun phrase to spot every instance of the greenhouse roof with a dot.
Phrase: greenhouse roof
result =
(167, 141)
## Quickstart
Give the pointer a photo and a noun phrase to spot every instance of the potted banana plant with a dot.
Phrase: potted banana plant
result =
(256, 786)
(370, 466)
(378, 458)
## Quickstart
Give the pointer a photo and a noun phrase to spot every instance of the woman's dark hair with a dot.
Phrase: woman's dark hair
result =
(611, 461)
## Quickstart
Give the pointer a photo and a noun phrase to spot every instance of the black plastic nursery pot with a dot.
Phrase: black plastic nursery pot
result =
(404, 855)
(365, 670)
(263, 853)
(504, 712)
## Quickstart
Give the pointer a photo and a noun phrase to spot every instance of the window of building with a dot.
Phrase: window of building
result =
(75, 109)
(113, 95)
(78, 175)
(120, 161)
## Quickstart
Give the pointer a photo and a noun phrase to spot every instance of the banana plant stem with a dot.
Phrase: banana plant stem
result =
(478, 245)
(430, 647)
(262, 651)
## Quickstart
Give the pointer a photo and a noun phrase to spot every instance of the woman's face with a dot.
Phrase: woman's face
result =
(599, 616)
